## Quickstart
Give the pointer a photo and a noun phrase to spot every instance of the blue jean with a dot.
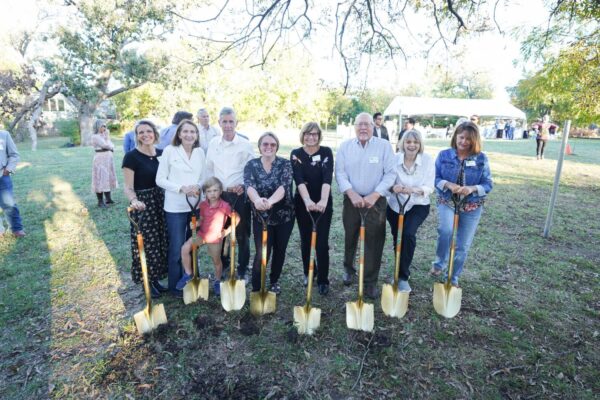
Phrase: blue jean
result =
(467, 225)
(7, 202)
(178, 230)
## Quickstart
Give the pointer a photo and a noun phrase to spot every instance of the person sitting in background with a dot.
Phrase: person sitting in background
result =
(104, 176)
(9, 157)
(166, 134)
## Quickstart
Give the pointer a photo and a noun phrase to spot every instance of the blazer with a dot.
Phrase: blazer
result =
(176, 170)
(384, 132)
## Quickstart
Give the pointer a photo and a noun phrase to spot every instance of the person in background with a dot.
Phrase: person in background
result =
(313, 172)
(543, 134)
(462, 170)
(180, 172)
(409, 124)
(380, 130)
(140, 166)
(104, 176)
(9, 157)
(415, 175)
(268, 181)
(129, 142)
(226, 159)
(207, 131)
(364, 171)
(166, 134)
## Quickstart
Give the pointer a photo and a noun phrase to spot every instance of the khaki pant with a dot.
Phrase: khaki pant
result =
(374, 238)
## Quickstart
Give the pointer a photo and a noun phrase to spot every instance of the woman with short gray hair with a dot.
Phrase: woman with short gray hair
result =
(104, 177)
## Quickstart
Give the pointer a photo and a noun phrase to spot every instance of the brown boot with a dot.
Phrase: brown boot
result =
(100, 200)
(108, 198)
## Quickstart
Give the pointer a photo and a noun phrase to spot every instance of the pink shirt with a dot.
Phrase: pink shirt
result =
(212, 220)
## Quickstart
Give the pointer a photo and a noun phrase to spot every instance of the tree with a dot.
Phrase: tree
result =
(101, 53)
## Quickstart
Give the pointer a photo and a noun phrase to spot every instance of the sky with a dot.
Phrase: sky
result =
(496, 54)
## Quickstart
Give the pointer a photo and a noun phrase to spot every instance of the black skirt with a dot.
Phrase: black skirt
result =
(154, 232)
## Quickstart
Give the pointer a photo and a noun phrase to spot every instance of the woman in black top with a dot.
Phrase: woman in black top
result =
(139, 170)
(268, 181)
(313, 171)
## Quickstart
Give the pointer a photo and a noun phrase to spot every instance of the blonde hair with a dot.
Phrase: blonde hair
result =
(413, 133)
(210, 182)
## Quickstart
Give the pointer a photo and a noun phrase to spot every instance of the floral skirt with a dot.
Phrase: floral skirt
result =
(104, 177)
(154, 232)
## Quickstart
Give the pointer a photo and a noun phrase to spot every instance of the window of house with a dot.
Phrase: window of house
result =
(61, 105)
(52, 104)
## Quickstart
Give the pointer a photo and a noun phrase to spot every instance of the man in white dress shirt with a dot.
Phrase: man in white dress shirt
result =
(226, 158)
(206, 131)
(364, 172)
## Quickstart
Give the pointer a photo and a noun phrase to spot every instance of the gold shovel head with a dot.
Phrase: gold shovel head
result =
(446, 299)
(360, 316)
(394, 303)
(194, 290)
(307, 321)
(262, 303)
(146, 322)
(233, 295)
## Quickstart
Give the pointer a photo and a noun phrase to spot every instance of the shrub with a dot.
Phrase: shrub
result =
(69, 128)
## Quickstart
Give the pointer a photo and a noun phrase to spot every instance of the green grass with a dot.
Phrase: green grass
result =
(528, 325)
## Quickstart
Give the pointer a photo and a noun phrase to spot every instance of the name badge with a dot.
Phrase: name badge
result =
(470, 163)
(316, 158)
(373, 160)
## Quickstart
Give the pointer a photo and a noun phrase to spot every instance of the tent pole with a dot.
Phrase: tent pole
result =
(561, 157)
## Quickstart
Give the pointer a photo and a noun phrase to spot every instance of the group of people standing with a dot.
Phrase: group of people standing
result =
(260, 191)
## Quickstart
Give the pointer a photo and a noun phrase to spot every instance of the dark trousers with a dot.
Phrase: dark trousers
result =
(322, 246)
(277, 241)
(242, 232)
(541, 143)
(413, 219)
(374, 238)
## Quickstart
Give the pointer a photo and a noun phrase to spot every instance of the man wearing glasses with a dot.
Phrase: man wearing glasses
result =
(226, 158)
(364, 171)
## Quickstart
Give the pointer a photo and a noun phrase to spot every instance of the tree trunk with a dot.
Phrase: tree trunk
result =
(86, 123)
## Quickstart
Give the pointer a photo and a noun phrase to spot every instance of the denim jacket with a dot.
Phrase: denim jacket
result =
(477, 173)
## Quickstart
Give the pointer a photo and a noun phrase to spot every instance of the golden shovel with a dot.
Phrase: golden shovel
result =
(150, 317)
(233, 291)
(394, 303)
(196, 288)
(263, 302)
(306, 318)
(360, 315)
(447, 298)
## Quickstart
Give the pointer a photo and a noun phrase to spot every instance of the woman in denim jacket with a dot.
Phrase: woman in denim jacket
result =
(475, 182)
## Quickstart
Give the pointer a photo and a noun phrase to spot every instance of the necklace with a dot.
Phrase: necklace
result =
(409, 171)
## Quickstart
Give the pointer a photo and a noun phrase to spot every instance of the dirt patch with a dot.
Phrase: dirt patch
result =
(204, 322)
(217, 383)
(248, 326)
(123, 364)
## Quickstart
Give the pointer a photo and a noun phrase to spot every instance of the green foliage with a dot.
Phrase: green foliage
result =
(142, 102)
(69, 128)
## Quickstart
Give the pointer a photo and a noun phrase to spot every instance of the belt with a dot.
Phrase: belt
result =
(102, 150)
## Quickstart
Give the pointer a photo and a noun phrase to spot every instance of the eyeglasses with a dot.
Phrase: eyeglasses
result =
(269, 144)
(312, 134)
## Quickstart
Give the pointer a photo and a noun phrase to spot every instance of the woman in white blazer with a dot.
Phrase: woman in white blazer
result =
(180, 173)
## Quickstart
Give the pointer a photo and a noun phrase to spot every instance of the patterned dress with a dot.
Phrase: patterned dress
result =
(104, 177)
(153, 224)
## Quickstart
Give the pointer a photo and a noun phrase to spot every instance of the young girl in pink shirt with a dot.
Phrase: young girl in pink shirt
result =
(213, 214)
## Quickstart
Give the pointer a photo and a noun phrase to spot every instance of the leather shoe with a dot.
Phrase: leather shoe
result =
(349, 278)
(323, 289)
(157, 285)
(371, 292)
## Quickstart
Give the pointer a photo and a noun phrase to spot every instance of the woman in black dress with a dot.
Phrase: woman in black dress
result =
(268, 181)
(313, 172)
(139, 170)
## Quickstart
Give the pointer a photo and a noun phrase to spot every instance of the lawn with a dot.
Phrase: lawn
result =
(528, 328)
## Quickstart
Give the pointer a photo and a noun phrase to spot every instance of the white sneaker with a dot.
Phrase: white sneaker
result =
(403, 286)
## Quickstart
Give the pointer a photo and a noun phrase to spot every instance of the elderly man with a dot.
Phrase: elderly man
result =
(226, 158)
(9, 157)
(364, 171)
(205, 130)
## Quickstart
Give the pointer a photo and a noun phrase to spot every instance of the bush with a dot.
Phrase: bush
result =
(114, 127)
(69, 128)
(583, 132)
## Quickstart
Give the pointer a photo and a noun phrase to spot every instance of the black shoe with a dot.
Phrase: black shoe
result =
(323, 289)
(100, 200)
(154, 293)
(275, 288)
(371, 292)
(109, 200)
(349, 278)
(177, 293)
(159, 287)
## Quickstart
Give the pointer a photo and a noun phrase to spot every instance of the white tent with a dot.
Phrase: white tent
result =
(409, 106)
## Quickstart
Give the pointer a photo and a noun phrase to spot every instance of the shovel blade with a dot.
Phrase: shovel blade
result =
(360, 316)
(446, 299)
(194, 290)
(233, 295)
(147, 321)
(307, 321)
(262, 303)
(394, 303)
